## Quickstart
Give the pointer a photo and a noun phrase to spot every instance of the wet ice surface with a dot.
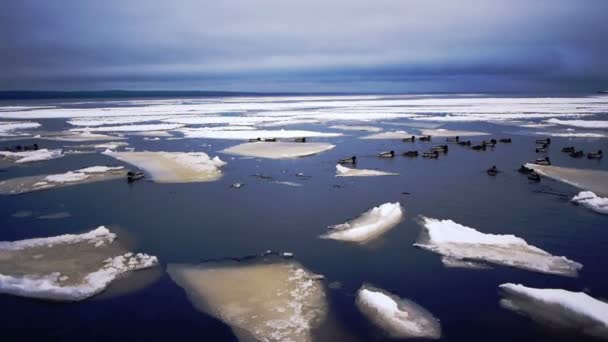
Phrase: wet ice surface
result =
(278, 150)
(456, 242)
(367, 226)
(260, 300)
(592, 180)
(66, 267)
(398, 317)
(559, 308)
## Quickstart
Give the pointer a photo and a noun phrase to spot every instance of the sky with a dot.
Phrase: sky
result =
(305, 46)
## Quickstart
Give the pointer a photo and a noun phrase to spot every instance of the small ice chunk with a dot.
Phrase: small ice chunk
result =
(455, 241)
(32, 156)
(368, 225)
(400, 318)
(342, 171)
(571, 310)
(592, 201)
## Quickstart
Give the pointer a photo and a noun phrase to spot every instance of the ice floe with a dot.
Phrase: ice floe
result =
(91, 174)
(262, 301)
(251, 134)
(356, 128)
(111, 145)
(32, 156)
(342, 171)
(591, 180)
(398, 317)
(10, 128)
(559, 308)
(580, 123)
(131, 128)
(571, 134)
(79, 137)
(441, 132)
(457, 242)
(388, 135)
(369, 225)
(119, 120)
(278, 150)
(592, 201)
(66, 267)
(174, 167)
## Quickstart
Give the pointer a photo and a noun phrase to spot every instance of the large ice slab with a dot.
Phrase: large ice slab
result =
(20, 185)
(261, 300)
(32, 156)
(210, 133)
(388, 135)
(174, 167)
(559, 308)
(442, 132)
(591, 180)
(398, 317)
(342, 171)
(369, 225)
(457, 242)
(11, 128)
(356, 128)
(131, 128)
(592, 201)
(66, 267)
(71, 136)
(580, 123)
(278, 150)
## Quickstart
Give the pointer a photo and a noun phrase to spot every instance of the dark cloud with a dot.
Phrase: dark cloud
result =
(309, 45)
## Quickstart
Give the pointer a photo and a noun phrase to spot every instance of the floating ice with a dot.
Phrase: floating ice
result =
(572, 134)
(579, 123)
(66, 267)
(368, 225)
(91, 174)
(342, 171)
(571, 310)
(398, 317)
(78, 137)
(457, 242)
(131, 128)
(120, 120)
(388, 135)
(32, 156)
(262, 301)
(251, 134)
(111, 145)
(357, 128)
(278, 150)
(174, 167)
(10, 128)
(592, 201)
(592, 180)
(441, 132)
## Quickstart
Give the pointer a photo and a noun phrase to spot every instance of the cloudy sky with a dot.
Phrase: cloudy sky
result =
(311, 46)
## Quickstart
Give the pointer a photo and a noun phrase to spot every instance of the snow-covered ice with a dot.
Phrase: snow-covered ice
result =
(278, 150)
(369, 225)
(441, 132)
(11, 128)
(388, 135)
(580, 123)
(252, 134)
(32, 156)
(342, 171)
(556, 307)
(174, 167)
(457, 242)
(592, 201)
(398, 317)
(262, 301)
(130, 128)
(585, 179)
(66, 267)
(356, 128)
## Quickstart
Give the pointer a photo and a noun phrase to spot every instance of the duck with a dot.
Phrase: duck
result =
(490, 143)
(410, 139)
(270, 140)
(440, 148)
(302, 140)
(568, 149)
(525, 170)
(533, 176)
(543, 141)
(255, 140)
(389, 154)
(543, 161)
(410, 154)
(134, 175)
(481, 147)
(465, 143)
(577, 154)
(454, 139)
(431, 154)
(351, 160)
(542, 149)
(425, 138)
(596, 155)
(33, 147)
(493, 171)
(505, 140)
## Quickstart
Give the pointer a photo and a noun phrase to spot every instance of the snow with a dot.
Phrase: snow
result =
(100, 169)
(574, 310)
(356, 128)
(79, 137)
(592, 201)
(580, 123)
(32, 156)
(441, 132)
(388, 135)
(101, 121)
(66, 267)
(131, 128)
(111, 145)
(251, 134)
(342, 171)
(369, 225)
(591, 180)
(457, 242)
(9, 128)
(400, 318)
(67, 177)
(572, 134)
(262, 301)
(278, 150)
(174, 167)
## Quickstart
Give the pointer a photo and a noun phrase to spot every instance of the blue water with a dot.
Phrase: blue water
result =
(197, 221)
